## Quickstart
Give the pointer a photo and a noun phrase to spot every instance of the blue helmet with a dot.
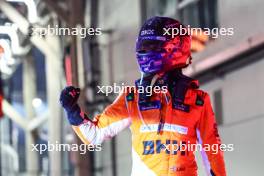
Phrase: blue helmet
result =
(157, 51)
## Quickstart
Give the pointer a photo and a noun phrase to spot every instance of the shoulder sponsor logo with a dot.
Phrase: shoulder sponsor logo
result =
(167, 127)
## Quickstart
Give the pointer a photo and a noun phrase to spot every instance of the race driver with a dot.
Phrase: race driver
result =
(163, 120)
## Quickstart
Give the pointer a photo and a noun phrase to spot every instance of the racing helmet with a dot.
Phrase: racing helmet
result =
(163, 45)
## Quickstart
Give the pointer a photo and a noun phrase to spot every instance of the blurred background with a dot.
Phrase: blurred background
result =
(34, 69)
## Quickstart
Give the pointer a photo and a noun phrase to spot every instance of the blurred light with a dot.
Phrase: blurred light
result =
(68, 68)
(11, 61)
(31, 8)
(5, 69)
(197, 46)
(199, 40)
(185, 3)
(5, 44)
(6, 60)
(36, 102)
(11, 31)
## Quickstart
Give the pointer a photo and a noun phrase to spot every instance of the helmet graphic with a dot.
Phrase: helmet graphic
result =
(161, 46)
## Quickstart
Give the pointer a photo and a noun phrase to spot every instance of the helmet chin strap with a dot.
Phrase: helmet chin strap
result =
(147, 80)
(153, 79)
(141, 78)
(188, 61)
(177, 83)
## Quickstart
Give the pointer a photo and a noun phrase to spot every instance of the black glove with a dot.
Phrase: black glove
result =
(68, 99)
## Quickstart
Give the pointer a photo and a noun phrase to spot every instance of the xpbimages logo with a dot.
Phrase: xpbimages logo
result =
(175, 147)
(182, 30)
(82, 148)
(64, 31)
(116, 89)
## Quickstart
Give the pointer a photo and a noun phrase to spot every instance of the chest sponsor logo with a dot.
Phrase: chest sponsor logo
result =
(167, 127)
(171, 147)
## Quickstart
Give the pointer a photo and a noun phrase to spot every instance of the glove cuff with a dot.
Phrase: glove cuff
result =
(74, 115)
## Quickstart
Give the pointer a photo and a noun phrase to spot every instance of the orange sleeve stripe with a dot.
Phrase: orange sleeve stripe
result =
(80, 135)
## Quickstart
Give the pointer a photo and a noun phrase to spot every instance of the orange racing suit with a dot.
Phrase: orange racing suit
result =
(152, 149)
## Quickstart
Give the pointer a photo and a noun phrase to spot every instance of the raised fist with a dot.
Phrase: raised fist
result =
(69, 97)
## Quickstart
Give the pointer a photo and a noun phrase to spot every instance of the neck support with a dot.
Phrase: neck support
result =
(176, 82)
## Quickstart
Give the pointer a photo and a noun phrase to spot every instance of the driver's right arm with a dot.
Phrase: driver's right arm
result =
(114, 118)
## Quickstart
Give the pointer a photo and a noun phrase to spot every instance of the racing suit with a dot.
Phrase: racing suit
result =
(153, 151)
